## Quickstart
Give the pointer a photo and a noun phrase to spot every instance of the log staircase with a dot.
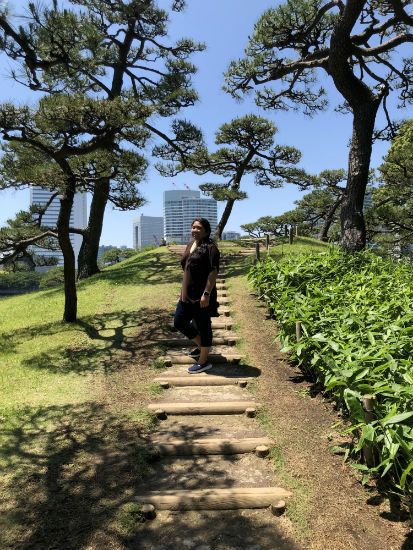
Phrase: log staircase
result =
(205, 419)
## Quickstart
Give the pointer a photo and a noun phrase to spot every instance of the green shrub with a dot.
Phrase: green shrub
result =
(356, 312)
(20, 280)
(52, 277)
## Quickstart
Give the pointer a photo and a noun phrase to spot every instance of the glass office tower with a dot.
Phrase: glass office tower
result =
(78, 218)
(179, 210)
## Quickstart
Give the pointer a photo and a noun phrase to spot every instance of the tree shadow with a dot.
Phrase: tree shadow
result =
(154, 269)
(77, 468)
(73, 467)
(108, 341)
(217, 529)
(10, 340)
(239, 266)
(313, 387)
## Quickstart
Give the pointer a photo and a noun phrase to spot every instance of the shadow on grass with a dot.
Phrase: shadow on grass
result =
(72, 469)
(107, 342)
(237, 267)
(220, 529)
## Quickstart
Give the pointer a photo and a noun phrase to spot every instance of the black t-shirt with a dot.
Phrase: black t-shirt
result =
(197, 266)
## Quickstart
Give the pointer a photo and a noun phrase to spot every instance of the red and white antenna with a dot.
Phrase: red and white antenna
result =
(187, 186)
(174, 184)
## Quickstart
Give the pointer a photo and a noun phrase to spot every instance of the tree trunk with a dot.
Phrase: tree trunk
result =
(88, 254)
(224, 218)
(323, 233)
(353, 229)
(62, 225)
(364, 104)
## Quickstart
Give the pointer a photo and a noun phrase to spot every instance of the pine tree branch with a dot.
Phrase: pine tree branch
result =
(385, 47)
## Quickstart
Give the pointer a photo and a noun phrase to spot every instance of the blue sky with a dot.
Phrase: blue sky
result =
(224, 26)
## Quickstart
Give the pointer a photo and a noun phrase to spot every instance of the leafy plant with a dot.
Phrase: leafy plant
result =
(20, 280)
(356, 312)
(52, 278)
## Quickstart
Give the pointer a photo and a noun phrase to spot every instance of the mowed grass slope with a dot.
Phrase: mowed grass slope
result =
(72, 403)
(46, 361)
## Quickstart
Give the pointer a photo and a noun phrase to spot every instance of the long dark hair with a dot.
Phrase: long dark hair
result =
(203, 245)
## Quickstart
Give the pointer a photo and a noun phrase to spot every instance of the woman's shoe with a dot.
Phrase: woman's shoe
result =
(195, 353)
(199, 368)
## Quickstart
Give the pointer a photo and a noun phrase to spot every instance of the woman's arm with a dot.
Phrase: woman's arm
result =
(212, 277)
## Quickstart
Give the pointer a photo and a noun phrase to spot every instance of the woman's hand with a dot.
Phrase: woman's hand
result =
(204, 301)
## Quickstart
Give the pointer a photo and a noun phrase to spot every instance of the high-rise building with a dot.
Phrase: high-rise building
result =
(147, 230)
(179, 210)
(230, 235)
(78, 218)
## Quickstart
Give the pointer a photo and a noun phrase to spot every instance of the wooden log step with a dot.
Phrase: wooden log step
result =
(223, 300)
(227, 370)
(184, 342)
(224, 310)
(215, 499)
(212, 358)
(225, 324)
(200, 380)
(181, 447)
(218, 323)
(219, 407)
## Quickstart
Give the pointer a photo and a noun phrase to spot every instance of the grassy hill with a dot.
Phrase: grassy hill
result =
(46, 361)
(73, 395)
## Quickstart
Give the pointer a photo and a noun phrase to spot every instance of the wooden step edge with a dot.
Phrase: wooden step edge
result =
(184, 342)
(170, 360)
(215, 499)
(208, 446)
(224, 312)
(219, 407)
(199, 380)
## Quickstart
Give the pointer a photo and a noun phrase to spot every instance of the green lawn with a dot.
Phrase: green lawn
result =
(73, 394)
(45, 361)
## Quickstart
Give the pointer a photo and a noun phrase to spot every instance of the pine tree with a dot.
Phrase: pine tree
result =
(356, 43)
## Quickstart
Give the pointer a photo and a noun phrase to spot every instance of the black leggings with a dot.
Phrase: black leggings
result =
(191, 319)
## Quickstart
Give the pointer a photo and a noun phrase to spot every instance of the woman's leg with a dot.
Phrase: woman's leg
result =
(182, 321)
(203, 322)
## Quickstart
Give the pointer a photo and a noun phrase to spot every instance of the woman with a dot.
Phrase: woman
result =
(198, 300)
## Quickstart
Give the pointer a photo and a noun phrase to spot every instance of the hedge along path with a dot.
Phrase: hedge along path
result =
(208, 451)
